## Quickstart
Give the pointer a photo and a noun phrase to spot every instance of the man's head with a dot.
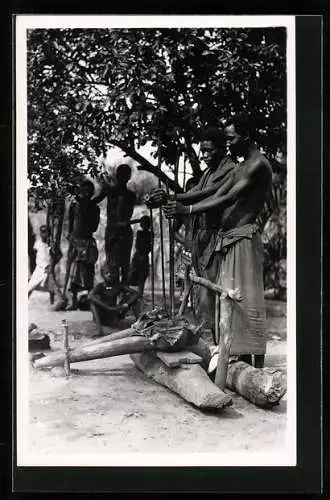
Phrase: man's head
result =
(86, 190)
(145, 222)
(109, 274)
(238, 134)
(43, 233)
(123, 174)
(213, 146)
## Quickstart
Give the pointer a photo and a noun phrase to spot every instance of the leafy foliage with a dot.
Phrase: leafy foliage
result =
(91, 89)
(88, 89)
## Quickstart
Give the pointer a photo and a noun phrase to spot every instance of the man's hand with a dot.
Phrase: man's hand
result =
(175, 209)
(124, 307)
(155, 198)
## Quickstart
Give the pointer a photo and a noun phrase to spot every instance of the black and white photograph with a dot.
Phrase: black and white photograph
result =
(155, 240)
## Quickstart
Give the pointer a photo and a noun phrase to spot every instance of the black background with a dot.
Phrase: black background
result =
(306, 477)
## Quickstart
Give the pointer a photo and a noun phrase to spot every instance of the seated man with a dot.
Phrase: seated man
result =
(110, 300)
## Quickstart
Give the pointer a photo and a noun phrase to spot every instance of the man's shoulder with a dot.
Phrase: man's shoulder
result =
(99, 287)
(258, 161)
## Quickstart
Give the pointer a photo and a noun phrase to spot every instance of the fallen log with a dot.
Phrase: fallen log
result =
(161, 336)
(264, 387)
(97, 351)
(190, 382)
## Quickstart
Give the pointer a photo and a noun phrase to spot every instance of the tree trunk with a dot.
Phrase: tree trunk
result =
(190, 382)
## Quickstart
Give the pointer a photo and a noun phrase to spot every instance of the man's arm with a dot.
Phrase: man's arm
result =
(102, 194)
(134, 296)
(96, 220)
(220, 199)
(96, 299)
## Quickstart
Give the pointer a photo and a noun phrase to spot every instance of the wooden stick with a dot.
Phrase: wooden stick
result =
(225, 340)
(66, 348)
(232, 294)
(161, 229)
(216, 317)
(152, 259)
(186, 293)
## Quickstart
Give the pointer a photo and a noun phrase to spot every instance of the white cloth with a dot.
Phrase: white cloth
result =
(43, 260)
(43, 254)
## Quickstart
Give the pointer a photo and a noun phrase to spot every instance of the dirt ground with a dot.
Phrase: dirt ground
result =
(108, 406)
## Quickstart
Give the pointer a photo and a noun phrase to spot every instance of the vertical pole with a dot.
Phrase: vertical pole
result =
(161, 229)
(217, 318)
(184, 171)
(66, 348)
(152, 260)
(225, 341)
(171, 230)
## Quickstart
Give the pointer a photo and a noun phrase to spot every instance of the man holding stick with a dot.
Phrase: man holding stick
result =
(205, 224)
(237, 247)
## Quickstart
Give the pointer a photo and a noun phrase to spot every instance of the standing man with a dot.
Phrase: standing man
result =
(84, 218)
(238, 244)
(118, 232)
(205, 223)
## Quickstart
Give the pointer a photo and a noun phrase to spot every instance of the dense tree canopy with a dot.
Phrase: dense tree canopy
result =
(89, 89)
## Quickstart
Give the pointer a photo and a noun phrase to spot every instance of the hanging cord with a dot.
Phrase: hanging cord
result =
(152, 260)
(161, 228)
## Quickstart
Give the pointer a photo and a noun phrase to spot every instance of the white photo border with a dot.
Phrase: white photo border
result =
(24, 457)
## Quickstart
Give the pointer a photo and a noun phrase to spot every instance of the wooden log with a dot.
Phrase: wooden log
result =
(112, 336)
(102, 350)
(190, 382)
(163, 338)
(264, 387)
(225, 339)
(173, 359)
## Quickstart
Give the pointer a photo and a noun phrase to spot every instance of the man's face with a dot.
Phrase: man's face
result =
(234, 140)
(110, 276)
(43, 235)
(211, 153)
(85, 192)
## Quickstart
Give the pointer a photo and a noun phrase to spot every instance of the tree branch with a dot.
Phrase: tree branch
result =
(147, 166)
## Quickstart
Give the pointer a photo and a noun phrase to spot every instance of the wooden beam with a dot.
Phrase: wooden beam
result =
(174, 359)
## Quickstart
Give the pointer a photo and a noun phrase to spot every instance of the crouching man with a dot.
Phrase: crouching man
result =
(111, 300)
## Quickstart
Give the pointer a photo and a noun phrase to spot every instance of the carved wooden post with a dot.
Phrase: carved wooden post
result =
(187, 290)
(217, 317)
(225, 339)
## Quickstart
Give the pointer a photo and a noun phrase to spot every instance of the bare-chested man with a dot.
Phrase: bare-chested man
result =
(238, 244)
(118, 232)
